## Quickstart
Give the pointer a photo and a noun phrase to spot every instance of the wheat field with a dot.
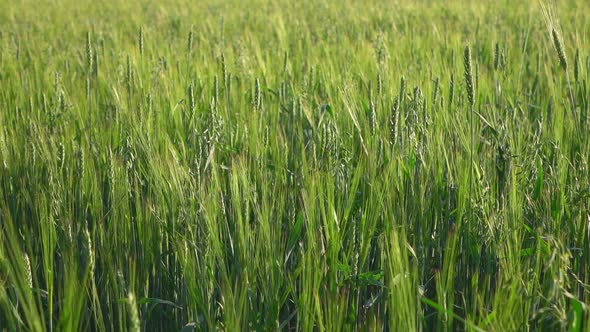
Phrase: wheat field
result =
(294, 165)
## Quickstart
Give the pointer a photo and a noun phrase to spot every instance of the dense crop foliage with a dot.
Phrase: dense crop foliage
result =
(294, 165)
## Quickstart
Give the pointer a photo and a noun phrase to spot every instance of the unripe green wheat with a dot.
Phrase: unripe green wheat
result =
(28, 270)
(61, 156)
(191, 37)
(88, 87)
(372, 117)
(140, 38)
(89, 252)
(372, 112)
(191, 98)
(95, 64)
(149, 101)
(257, 95)
(393, 122)
(89, 56)
(80, 165)
(496, 56)
(558, 44)
(470, 88)
(223, 70)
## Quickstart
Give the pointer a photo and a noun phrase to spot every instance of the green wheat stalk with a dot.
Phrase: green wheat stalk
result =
(470, 89)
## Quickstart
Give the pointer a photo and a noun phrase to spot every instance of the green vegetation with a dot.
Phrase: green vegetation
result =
(294, 165)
